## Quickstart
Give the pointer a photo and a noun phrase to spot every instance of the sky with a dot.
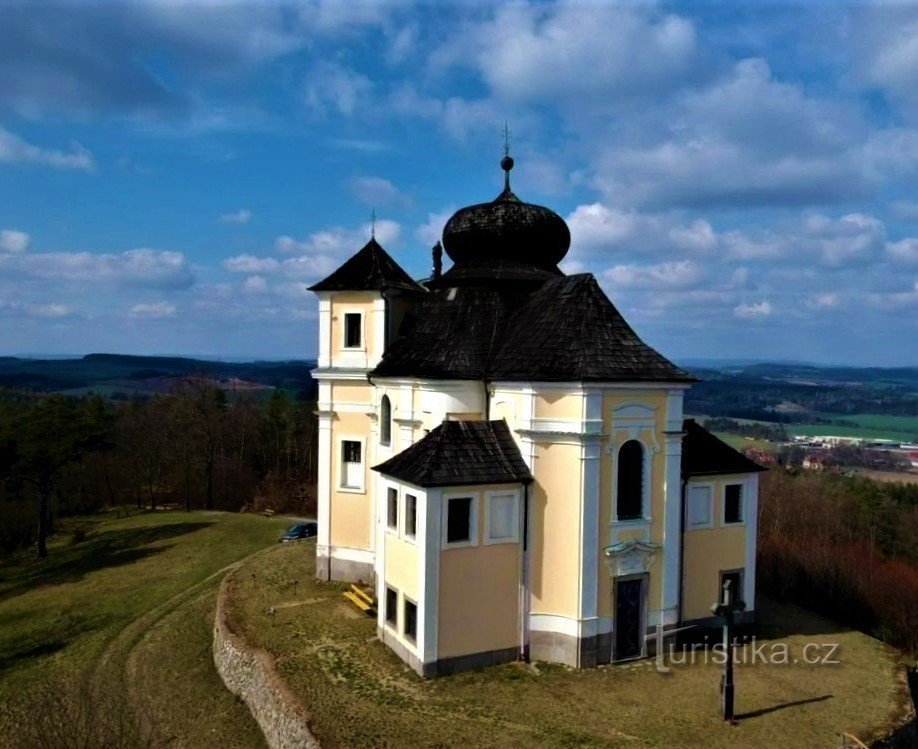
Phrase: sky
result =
(741, 178)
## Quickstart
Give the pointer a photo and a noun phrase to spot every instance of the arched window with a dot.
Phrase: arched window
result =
(385, 421)
(630, 497)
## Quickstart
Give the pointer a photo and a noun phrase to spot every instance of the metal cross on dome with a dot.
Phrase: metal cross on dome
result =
(507, 135)
(373, 224)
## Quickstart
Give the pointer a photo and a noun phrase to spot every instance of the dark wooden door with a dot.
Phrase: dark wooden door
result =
(628, 619)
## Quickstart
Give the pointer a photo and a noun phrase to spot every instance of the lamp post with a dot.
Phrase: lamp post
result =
(726, 609)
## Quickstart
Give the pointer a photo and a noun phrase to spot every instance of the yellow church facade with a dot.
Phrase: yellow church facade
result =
(507, 464)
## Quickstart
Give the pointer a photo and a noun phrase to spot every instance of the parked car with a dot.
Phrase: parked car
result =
(309, 529)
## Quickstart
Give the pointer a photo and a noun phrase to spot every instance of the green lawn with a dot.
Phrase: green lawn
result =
(121, 623)
(361, 695)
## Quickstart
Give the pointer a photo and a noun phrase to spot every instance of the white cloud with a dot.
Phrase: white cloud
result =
(141, 267)
(904, 251)
(664, 275)
(251, 264)
(255, 285)
(50, 311)
(15, 150)
(13, 241)
(824, 300)
(431, 231)
(153, 311)
(339, 240)
(753, 311)
(242, 216)
(332, 88)
(377, 192)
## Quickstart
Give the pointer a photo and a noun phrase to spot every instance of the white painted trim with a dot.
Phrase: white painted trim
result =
(615, 449)
(570, 626)
(379, 332)
(347, 554)
(342, 487)
(325, 330)
(473, 520)
(672, 507)
(339, 373)
(590, 471)
(403, 516)
(429, 511)
(752, 523)
(517, 498)
(323, 488)
(709, 485)
(579, 386)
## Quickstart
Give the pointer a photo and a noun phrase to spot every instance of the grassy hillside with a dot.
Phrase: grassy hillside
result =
(120, 623)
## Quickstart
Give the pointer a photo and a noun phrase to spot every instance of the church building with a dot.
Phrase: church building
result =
(507, 464)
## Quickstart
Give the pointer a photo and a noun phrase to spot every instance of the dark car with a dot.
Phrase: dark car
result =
(300, 530)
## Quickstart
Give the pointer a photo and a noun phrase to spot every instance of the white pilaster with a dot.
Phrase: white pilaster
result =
(672, 508)
(590, 454)
(323, 499)
(325, 330)
(751, 509)
(429, 522)
(379, 333)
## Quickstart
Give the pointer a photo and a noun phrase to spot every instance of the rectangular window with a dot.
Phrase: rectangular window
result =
(352, 330)
(503, 518)
(392, 508)
(411, 515)
(735, 592)
(733, 503)
(411, 620)
(698, 510)
(351, 464)
(458, 520)
(391, 606)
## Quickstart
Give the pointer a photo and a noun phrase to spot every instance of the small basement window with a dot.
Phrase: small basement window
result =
(411, 620)
(411, 515)
(458, 520)
(392, 508)
(391, 606)
(733, 504)
(353, 337)
(736, 586)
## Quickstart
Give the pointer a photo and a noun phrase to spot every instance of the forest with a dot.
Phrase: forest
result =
(844, 546)
(195, 447)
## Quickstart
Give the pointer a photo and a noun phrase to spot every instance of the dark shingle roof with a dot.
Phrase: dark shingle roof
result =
(567, 330)
(370, 269)
(460, 453)
(703, 454)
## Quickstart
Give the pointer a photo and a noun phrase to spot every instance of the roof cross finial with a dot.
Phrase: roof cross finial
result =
(506, 163)
(373, 224)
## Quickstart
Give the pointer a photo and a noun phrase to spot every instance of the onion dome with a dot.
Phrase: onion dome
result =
(506, 233)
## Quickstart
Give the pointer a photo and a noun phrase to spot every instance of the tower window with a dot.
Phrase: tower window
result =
(351, 464)
(459, 520)
(411, 515)
(391, 606)
(733, 503)
(353, 337)
(392, 508)
(630, 498)
(385, 421)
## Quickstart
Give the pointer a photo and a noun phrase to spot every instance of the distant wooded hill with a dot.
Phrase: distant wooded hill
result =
(117, 376)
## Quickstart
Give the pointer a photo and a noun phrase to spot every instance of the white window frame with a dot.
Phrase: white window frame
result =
(646, 481)
(345, 311)
(514, 538)
(473, 520)
(383, 423)
(342, 487)
(688, 503)
(393, 529)
(411, 537)
(723, 504)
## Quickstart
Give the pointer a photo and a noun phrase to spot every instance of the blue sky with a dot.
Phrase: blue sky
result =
(741, 179)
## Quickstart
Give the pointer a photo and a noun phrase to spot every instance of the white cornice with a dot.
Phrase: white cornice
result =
(339, 373)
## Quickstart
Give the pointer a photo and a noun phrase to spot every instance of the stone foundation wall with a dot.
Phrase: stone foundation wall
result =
(250, 674)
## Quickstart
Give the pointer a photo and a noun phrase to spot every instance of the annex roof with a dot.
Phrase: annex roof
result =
(703, 454)
(370, 269)
(460, 453)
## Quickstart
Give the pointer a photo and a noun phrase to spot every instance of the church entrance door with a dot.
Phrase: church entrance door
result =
(629, 598)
